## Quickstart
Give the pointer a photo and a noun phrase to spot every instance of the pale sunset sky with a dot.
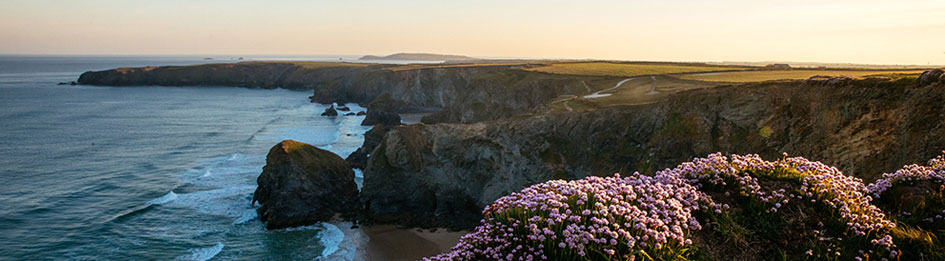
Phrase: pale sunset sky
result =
(854, 31)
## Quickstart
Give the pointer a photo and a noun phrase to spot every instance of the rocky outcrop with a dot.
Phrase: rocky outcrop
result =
(932, 76)
(444, 174)
(383, 110)
(358, 158)
(330, 111)
(301, 185)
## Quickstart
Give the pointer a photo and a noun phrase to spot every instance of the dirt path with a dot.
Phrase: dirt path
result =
(653, 86)
(568, 107)
(586, 87)
(599, 94)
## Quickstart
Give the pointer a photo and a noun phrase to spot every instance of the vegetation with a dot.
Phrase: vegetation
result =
(316, 65)
(626, 69)
(635, 91)
(760, 76)
(738, 207)
(453, 65)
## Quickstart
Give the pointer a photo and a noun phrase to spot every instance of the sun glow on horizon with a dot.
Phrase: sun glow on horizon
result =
(873, 32)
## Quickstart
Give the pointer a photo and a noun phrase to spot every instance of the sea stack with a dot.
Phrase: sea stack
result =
(330, 111)
(382, 110)
(302, 185)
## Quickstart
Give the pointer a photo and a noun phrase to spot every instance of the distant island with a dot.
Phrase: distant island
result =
(420, 57)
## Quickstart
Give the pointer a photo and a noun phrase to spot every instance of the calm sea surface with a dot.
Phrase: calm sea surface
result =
(149, 172)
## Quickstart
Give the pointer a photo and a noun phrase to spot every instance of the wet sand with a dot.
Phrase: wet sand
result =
(393, 243)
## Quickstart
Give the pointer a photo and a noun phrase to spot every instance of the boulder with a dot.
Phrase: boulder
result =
(349, 114)
(382, 110)
(302, 185)
(330, 111)
(931, 76)
(361, 113)
(342, 107)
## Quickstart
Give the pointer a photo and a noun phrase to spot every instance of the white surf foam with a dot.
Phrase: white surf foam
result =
(342, 242)
(170, 196)
(359, 178)
(330, 237)
(203, 254)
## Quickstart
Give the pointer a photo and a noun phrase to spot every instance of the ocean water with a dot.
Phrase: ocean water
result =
(150, 173)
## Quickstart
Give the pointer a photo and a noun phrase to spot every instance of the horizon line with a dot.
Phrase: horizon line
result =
(249, 55)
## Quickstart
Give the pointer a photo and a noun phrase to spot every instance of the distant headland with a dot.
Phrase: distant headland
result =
(420, 57)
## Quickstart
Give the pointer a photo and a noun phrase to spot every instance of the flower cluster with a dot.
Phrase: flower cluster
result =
(935, 172)
(653, 216)
(595, 217)
(843, 193)
(819, 183)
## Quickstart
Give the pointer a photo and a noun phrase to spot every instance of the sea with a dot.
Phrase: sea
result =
(152, 173)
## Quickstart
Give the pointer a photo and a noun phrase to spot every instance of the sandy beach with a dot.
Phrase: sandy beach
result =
(393, 243)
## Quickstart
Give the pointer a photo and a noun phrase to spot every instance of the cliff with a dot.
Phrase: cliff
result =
(444, 174)
(462, 93)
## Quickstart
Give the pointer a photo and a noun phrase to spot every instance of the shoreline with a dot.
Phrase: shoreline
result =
(389, 242)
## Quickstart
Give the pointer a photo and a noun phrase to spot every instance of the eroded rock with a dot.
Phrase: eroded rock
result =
(302, 185)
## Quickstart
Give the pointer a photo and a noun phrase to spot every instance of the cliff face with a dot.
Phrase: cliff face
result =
(444, 174)
(267, 75)
(463, 93)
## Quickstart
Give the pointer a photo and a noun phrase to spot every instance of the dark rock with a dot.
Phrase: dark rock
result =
(349, 114)
(330, 111)
(358, 159)
(73, 83)
(302, 185)
(931, 76)
(383, 110)
(361, 113)
(342, 107)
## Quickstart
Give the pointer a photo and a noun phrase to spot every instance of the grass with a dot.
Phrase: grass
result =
(641, 90)
(625, 69)
(452, 65)
(760, 76)
(316, 65)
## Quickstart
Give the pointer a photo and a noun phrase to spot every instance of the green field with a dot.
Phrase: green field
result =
(760, 76)
(626, 69)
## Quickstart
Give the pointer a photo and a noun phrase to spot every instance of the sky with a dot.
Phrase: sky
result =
(849, 31)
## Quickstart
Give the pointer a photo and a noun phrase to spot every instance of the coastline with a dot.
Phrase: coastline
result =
(389, 242)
